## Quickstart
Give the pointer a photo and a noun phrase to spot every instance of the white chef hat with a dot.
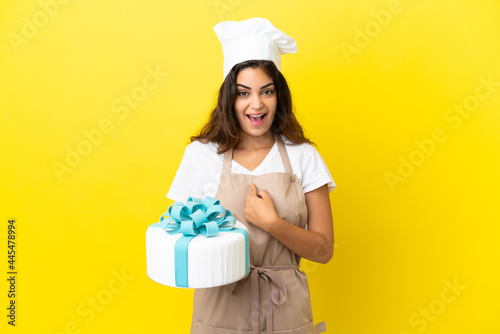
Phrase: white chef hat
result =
(255, 38)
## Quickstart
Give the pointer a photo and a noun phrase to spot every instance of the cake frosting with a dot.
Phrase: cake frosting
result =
(199, 245)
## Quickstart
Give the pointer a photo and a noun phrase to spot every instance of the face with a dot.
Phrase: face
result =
(256, 102)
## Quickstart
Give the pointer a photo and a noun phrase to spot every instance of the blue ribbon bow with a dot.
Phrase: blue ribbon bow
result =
(205, 217)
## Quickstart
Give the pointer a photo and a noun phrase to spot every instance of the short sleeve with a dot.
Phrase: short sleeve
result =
(315, 173)
(198, 174)
(184, 185)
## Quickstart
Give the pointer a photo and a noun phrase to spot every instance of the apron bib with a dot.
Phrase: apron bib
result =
(274, 296)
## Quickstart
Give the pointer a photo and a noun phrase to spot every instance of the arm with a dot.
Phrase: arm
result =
(315, 243)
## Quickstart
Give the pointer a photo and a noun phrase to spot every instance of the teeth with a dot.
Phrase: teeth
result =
(256, 119)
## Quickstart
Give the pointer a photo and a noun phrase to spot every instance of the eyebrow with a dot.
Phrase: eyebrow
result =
(269, 84)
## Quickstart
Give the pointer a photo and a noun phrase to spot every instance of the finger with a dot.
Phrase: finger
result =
(253, 190)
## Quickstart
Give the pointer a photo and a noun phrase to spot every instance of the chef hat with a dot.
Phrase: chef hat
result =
(255, 38)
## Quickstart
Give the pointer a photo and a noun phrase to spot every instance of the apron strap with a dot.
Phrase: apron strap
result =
(284, 155)
(320, 327)
(277, 293)
(226, 161)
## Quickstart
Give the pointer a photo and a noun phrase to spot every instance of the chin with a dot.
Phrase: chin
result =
(258, 133)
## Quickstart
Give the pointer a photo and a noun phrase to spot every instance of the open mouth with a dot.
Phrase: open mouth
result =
(256, 120)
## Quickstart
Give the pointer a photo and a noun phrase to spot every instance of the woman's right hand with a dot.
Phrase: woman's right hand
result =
(260, 209)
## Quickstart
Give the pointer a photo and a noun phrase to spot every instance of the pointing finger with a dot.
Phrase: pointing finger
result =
(253, 190)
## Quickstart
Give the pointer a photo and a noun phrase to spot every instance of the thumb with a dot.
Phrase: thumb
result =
(253, 189)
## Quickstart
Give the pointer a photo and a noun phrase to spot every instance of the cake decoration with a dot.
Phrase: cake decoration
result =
(194, 219)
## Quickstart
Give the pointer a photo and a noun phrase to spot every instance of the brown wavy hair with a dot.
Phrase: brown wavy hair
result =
(223, 127)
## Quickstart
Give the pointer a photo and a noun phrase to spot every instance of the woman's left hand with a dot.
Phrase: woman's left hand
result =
(259, 208)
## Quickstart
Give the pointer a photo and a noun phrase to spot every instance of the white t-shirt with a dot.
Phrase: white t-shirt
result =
(200, 169)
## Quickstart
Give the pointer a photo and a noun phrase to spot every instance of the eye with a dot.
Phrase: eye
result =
(242, 93)
(268, 92)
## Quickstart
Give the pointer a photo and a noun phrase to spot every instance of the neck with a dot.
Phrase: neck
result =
(247, 142)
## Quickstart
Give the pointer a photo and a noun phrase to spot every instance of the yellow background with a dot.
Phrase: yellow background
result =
(399, 245)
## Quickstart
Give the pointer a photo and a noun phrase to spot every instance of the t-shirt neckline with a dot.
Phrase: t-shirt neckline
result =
(263, 162)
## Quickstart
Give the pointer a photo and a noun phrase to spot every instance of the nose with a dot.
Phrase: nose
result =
(256, 102)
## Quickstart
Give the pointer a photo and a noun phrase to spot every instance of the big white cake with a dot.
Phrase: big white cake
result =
(213, 254)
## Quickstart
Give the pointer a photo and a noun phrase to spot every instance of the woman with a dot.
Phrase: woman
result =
(253, 157)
